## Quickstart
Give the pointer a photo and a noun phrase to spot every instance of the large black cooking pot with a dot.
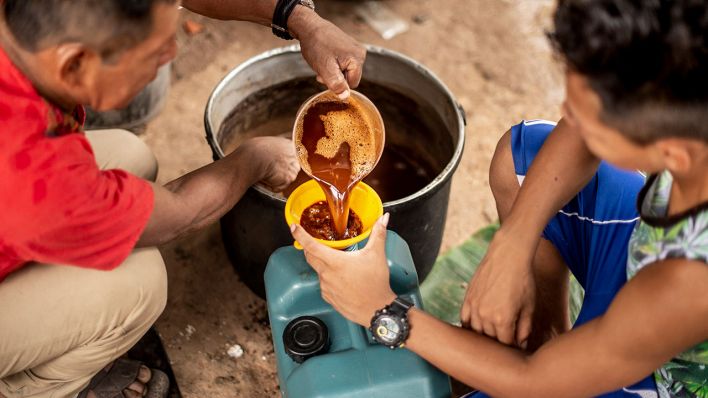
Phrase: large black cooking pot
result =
(262, 96)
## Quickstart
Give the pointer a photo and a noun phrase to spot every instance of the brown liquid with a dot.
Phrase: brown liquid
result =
(398, 174)
(415, 153)
(317, 221)
(335, 173)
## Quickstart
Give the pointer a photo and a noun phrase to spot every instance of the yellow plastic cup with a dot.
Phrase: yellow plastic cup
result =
(365, 202)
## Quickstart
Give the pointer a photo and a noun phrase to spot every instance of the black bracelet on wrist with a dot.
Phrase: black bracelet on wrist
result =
(283, 9)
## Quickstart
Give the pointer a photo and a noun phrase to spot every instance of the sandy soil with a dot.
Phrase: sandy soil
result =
(492, 54)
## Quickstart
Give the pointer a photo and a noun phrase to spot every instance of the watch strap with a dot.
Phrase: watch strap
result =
(283, 9)
(400, 306)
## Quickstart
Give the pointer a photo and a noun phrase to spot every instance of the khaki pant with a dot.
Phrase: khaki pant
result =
(60, 325)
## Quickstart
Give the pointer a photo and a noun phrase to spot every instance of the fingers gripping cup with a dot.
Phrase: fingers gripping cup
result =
(338, 143)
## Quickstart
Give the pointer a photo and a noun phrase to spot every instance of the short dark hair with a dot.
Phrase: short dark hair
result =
(108, 26)
(646, 59)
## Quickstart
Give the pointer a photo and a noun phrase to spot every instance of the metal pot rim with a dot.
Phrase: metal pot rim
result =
(439, 180)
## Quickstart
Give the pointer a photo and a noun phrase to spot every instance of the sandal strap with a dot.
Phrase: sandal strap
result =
(111, 383)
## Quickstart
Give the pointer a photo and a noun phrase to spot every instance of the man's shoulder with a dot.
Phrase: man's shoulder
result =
(14, 83)
(23, 112)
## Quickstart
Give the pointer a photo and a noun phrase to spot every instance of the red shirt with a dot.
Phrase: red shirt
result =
(56, 206)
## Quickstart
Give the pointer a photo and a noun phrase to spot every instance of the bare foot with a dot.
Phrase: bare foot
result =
(137, 389)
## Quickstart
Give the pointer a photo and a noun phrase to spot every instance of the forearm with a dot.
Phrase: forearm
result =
(199, 198)
(605, 354)
(501, 297)
(336, 58)
(569, 366)
(474, 359)
(563, 166)
(256, 11)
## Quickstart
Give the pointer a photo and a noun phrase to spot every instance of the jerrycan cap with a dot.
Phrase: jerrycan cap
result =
(305, 337)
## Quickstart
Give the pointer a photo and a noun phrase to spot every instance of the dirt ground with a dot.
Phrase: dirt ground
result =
(493, 56)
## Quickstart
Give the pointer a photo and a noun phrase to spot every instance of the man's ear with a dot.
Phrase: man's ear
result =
(78, 67)
(676, 154)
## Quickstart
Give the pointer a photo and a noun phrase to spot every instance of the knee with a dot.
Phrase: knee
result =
(139, 158)
(502, 177)
(144, 288)
(152, 284)
(134, 156)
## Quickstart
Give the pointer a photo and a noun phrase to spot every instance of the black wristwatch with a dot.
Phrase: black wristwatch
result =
(283, 9)
(389, 326)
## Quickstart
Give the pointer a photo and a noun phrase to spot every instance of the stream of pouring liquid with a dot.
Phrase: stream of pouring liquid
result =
(333, 174)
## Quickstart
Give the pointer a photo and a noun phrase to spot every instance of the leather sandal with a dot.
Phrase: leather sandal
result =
(124, 372)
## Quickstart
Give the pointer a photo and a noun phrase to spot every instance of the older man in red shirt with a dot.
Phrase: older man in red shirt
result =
(87, 200)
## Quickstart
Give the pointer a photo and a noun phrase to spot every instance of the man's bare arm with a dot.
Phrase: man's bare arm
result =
(336, 58)
(617, 349)
(501, 297)
(257, 11)
(201, 197)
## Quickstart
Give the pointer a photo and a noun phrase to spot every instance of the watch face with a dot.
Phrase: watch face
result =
(387, 329)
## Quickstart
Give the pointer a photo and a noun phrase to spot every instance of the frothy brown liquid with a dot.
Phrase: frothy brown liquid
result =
(317, 221)
(399, 173)
(337, 145)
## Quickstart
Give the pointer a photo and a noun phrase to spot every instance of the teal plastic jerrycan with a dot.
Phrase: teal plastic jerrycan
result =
(321, 354)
